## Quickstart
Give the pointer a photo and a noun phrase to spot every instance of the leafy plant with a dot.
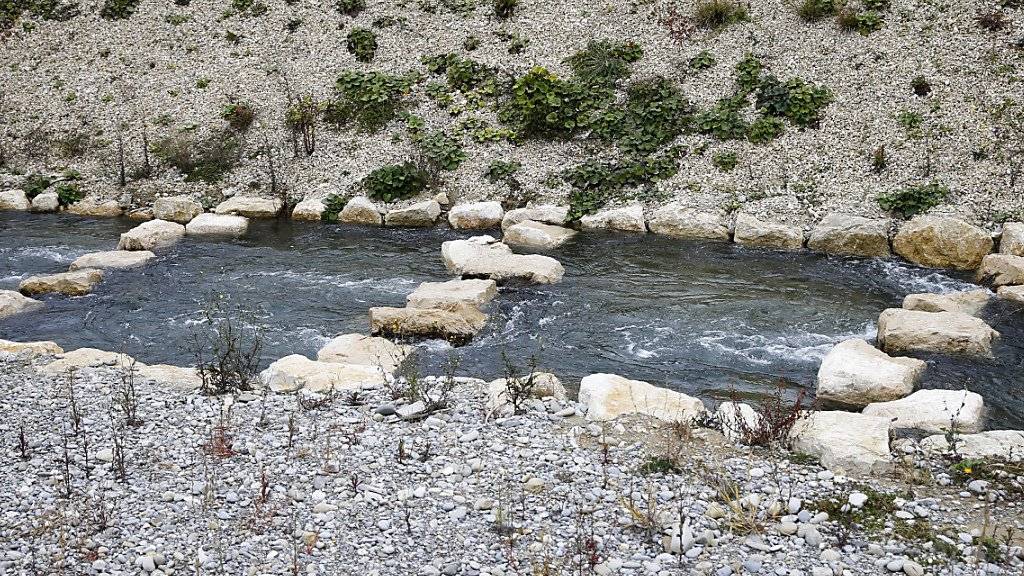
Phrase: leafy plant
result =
(501, 170)
(765, 129)
(603, 62)
(724, 161)
(362, 43)
(748, 73)
(442, 150)
(914, 200)
(864, 22)
(814, 10)
(921, 86)
(724, 121)
(333, 205)
(395, 182)
(301, 117)
(654, 114)
(238, 115)
(505, 8)
(371, 99)
(36, 184)
(800, 102)
(595, 183)
(702, 61)
(118, 9)
(545, 105)
(251, 7)
(350, 7)
(68, 193)
(715, 14)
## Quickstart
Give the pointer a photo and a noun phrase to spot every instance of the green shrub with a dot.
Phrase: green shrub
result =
(396, 182)
(442, 151)
(542, 104)
(238, 115)
(206, 160)
(748, 73)
(800, 102)
(715, 14)
(724, 121)
(921, 86)
(370, 99)
(914, 200)
(118, 9)
(596, 183)
(724, 161)
(251, 7)
(333, 205)
(350, 7)
(501, 170)
(471, 43)
(814, 10)
(505, 8)
(36, 184)
(603, 62)
(463, 74)
(863, 23)
(765, 129)
(362, 43)
(68, 193)
(655, 113)
(702, 61)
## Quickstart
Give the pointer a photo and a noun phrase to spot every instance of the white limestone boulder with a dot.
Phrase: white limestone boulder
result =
(296, 372)
(544, 213)
(113, 260)
(365, 351)
(485, 257)
(94, 207)
(738, 420)
(38, 348)
(536, 235)
(1002, 270)
(309, 210)
(361, 210)
(476, 216)
(85, 358)
(180, 209)
(970, 302)
(12, 303)
(624, 219)
(849, 235)
(1012, 240)
(901, 331)
(46, 202)
(845, 442)
(753, 232)
(681, 222)
(538, 385)
(419, 215)
(608, 396)
(458, 325)
(250, 207)
(76, 283)
(150, 235)
(208, 224)
(855, 373)
(14, 200)
(998, 444)
(452, 294)
(1013, 294)
(942, 242)
(177, 377)
(933, 411)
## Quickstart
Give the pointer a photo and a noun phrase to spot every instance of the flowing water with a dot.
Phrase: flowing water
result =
(708, 319)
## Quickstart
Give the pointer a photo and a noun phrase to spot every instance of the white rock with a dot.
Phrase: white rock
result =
(737, 419)
(681, 222)
(901, 331)
(942, 242)
(845, 442)
(1012, 240)
(536, 235)
(180, 209)
(1008, 444)
(92, 206)
(544, 214)
(14, 200)
(217, 225)
(76, 283)
(608, 396)
(453, 293)
(753, 232)
(150, 235)
(419, 215)
(483, 256)
(849, 235)
(250, 207)
(296, 372)
(361, 210)
(177, 377)
(46, 202)
(84, 358)
(1002, 270)
(365, 351)
(12, 303)
(624, 219)
(855, 373)
(458, 324)
(309, 210)
(113, 260)
(536, 385)
(933, 411)
(1012, 293)
(971, 302)
(476, 216)
(37, 348)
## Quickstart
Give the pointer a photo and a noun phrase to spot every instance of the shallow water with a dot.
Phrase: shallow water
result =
(703, 318)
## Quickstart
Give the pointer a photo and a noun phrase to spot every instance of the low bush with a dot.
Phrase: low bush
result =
(724, 121)
(748, 73)
(200, 160)
(68, 193)
(541, 104)
(921, 86)
(226, 348)
(603, 62)
(36, 184)
(441, 151)
(914, 200)
(765, 129)
(725, 161)
(815, 10)
(800, 102)
(239, 116)
(655, 113)
(370, 99)
(505, 8)
(396, 182)
(118, 9)
(333, 205)
(702, 61)
(715, 14)
(864, 22)
(350, 7)
(501, 170)
(250, 7)
(362, 43)
(596, 183)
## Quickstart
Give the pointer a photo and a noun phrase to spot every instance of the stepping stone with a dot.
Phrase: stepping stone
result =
(535, 235)
(309, 210)
(902, 331)
(855, 373)
(12, 303)
(218, 225)
(180, 209)
(77, 283)
(83, 358)
(544, 214)
(1012, 240)
(452, 294)
(1014, 294)
(933, 411)
(39, 348)
(942, 242)
(1002, 270)
(361, 210)
(678, 221)
(458, 326)
(608, 396)
(91, 206)
(364, 351)
(296, 372)
(753, 232)
(485, 257)
(849, 235)
(845, 442)
(152, 234)
(420, 215)
(46, 202)
(14, 200)
(250, 207)
(971, 302)
(476, 216)
(113, 259)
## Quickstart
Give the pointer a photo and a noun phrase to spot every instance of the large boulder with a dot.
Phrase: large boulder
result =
(1002, 270)
(46, 202)
(419, 215)
(309, 210)
(1014, 294)
(150, 235)
(476, 216)
(452, 294)
(845, 442)
(180, 209)
(608, 396)
(361, 210)
(12, 303)
(84, 358)
(536, 385)
(41, 348)
(483, 256)
(901, 331)
(849, 235)
(92, 206)
(971, 302)
(296, 372)
(457, 325)
(365, 351)
(624, 219)
(14, 200)
(77, 283)
(536, 235)
(250, 207)
(681, 222)
(178, 377)
(1012, 240)
(218, 225)
(753, 232)
(545, 214)
(855, 373)
(1001, 444)
(942, 242)
(933, 411)
(113, 259)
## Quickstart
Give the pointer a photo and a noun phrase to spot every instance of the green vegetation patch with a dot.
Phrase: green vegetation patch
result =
(118, 9)
(200, 160)
(603, 62)
(596, 183)
(396, 182)
(655, 113)
(369, 99)
(362, 43)
(914, 200)
(542, 104)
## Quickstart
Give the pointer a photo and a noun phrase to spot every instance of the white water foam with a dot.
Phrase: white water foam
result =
(799, 347)
(914, 280)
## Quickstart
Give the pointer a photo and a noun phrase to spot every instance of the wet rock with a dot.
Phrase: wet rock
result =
(83, 358)
(38, 348)
(113, 259)
(971, 302)
(476, 216)
(180, 209)
(942, 242)
(681, 222)
(545, 214)
(483, 256)
(536, 235)
(360, 210)
(1002, 270)
(753, 232)
(365, 351)
(140, 215)
(849, 235)
(12, 303)
(1007, 444)
(855, 373)
(91, 206)
(250, 207)
(296, 372)
(901, 331)
(419, 215)
(845, 442)
(77, 283)
(46, 202)
(309, 210)
(624, 219)
(535, 385)
(14, 200)
(933, 411)
(218, 225)
(1012, 293)
(1012, 240)
(457, 325)
(452, 294)
(150, 235)
(608, 396)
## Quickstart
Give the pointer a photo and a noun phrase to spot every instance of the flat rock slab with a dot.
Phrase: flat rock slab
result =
(625, 219)
(181, 378)
(361, 210)
(309, 210)
(180, 209)
(150, 235)
(933, 411)
(97, 208)
(544, 213)
(753, 232)
(608, 396)
(1003, 444)
(1012, 240)
(537, 235)
(1002, 270)
(855, 373)
(845, 442)
(296, 372)
(113, 259)
(452, 294)
(1013, 294)
(365, 351)
(476, 216)
(849, 235)
(971, 302)
(14, 200)
(218, 225)
(77, 283)
(250, 207)
(38, 348)
(941, 242)
(12, 303)
(83, 358)
(485, 257)
(419, 215)
(679, 221)
(901, 331)
(456, 326)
